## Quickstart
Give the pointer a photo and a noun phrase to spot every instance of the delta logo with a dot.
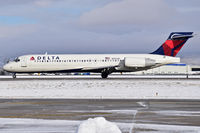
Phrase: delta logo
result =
(32, 58)
(43, 58)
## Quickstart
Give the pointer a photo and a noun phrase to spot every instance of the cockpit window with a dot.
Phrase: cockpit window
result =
(16, 59)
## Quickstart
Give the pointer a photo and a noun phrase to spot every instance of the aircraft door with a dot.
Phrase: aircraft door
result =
(23, 62)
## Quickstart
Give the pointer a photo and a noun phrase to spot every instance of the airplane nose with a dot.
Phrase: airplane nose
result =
(6, 67)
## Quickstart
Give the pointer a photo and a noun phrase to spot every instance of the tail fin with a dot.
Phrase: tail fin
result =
(173, 44)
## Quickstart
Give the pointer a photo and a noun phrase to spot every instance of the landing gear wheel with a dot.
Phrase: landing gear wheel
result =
(104, 75)
(14, 76)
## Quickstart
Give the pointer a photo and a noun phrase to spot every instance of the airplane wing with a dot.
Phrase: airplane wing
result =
(97, 68)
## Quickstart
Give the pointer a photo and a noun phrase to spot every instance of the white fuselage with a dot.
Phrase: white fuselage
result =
(87, 62)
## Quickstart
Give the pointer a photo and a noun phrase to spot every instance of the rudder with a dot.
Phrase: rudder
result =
(173, 44)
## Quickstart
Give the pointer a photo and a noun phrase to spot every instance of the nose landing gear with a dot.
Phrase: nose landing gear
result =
(14, 76)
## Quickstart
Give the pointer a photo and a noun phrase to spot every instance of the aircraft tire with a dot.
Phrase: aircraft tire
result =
(14, 76)
(104, 75)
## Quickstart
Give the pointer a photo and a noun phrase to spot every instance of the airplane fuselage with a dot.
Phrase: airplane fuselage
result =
(87, 62)
(101, 63)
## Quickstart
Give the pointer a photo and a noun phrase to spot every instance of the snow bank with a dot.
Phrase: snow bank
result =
(101, 89)
(98, 125)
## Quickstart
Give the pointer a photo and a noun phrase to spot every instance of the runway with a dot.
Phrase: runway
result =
(49, 104)
(132, 116)
(98, 77)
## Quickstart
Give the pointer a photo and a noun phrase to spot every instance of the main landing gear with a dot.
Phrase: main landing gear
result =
(105, 72)
(14, 76)
(104, 75)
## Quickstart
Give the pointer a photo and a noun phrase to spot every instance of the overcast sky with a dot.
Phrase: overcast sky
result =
(95, 26)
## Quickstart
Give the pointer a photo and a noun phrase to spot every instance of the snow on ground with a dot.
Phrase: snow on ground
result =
(177, 113)
(98, 125)
(13, 125)
(101, 89)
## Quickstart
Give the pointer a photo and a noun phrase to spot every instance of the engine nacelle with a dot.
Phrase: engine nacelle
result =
(138, 62)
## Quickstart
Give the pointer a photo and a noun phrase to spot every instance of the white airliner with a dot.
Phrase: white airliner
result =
(100, 63)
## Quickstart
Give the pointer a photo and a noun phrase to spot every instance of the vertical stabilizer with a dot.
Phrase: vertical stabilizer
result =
(173, 44)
